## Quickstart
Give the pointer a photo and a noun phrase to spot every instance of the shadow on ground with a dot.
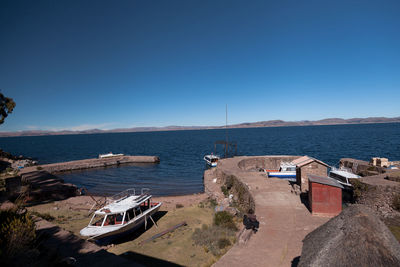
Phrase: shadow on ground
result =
(136, 233)
(304, 201)
(57, 245)
(295, 261)
(147, 260)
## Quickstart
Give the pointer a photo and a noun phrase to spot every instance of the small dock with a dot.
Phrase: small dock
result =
(92, 163)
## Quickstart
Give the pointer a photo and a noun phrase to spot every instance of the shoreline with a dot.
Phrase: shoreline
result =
(197, 128)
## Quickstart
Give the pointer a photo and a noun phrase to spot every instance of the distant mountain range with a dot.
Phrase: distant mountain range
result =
(271, 123)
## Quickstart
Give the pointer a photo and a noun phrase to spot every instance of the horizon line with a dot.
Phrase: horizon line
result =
(258, 124)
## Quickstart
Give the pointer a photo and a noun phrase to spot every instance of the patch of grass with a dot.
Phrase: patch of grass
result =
(225, 219)
(218, 236)
(213, 203)
(39, 168)
(213, 238)
(45, 216)
(395, 229)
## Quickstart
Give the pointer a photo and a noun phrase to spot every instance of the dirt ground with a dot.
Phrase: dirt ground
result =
(176, 247)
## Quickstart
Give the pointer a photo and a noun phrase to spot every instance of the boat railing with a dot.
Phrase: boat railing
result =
(145, 191)
(127, 193)
(342, 168)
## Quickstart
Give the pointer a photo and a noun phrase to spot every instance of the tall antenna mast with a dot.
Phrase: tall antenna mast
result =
(226, 130)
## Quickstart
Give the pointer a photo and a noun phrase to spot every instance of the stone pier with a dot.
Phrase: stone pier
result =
(284, 219)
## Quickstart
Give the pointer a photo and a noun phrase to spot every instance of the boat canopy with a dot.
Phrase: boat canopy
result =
(344, 173)
(123, 204)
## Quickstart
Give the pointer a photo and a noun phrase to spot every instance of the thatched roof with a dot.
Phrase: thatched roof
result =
(356, 237)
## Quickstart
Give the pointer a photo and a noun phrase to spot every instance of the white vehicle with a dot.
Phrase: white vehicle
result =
(342, 175)
(211, 160)
(124, 214)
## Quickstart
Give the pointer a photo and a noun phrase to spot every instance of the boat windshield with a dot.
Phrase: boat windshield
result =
(214, 159)
(113, 219)
(338, 177)
(97, 220)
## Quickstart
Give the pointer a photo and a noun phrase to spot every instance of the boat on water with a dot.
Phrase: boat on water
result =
(286, 171)
(125, 213)
(342, 175)
(109, 155)
(211, 160)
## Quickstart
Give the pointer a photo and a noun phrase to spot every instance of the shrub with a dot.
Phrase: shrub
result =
(17, 233)
(358, 188)
(39, 168)
(178, 206)
(229, 182)
(223, 242)
(224, 219)
(225, 190)
(396, 202)
(213, 238)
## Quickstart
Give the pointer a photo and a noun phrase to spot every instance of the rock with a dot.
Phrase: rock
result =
(7, 205)
(356, 237)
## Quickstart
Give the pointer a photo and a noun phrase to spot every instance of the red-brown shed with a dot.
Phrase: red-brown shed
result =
(325, 196)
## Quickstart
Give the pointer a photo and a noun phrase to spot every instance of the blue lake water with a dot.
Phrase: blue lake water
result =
(181, 152)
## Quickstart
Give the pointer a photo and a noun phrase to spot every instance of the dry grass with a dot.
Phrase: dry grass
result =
(177, 247)
(17, 237)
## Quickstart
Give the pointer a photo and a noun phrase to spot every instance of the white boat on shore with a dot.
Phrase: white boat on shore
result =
(342, 175)
(125, 213)
(109, 155)
(211, 160)
(286, 171)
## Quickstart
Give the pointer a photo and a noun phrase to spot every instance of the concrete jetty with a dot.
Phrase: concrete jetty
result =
(92, 163)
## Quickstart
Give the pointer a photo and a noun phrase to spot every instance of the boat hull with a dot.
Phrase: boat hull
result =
(290, 176)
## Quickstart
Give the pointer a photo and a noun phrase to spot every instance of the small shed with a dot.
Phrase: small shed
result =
(305, 166)
(324, 196)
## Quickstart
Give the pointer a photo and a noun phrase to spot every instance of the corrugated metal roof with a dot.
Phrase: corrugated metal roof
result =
(324, 180)
(302, 161)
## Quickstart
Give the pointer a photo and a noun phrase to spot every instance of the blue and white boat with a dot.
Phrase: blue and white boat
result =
(211, 160)
(286, 171)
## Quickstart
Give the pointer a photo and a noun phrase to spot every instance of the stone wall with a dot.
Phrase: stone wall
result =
(361, 167)
(270, 162)
(302, 173)
(377, 196)
(244, 201)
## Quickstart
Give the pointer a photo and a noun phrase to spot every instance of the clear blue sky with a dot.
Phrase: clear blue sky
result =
(110, 64)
